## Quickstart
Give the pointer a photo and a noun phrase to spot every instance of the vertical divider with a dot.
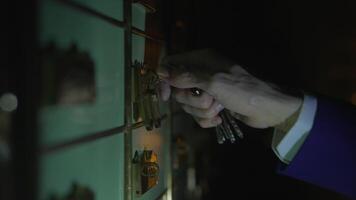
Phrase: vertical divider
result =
(128, 110)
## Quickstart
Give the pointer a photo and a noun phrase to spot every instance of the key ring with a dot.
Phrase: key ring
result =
(228, 129)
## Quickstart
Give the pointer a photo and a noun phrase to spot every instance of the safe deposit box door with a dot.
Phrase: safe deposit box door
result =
(97, 165)
(64, 26)
(81, 119)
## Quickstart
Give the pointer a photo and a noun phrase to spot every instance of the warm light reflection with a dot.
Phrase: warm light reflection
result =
(151, 140)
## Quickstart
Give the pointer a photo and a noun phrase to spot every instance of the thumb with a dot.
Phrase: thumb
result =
(183, 80)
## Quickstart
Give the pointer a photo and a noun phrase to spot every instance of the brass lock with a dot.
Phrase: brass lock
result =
(146, 171)
(145, 95)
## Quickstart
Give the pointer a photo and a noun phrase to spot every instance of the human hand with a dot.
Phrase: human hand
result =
(226, 85)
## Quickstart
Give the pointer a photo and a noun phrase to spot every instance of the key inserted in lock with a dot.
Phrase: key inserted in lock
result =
(145, 95)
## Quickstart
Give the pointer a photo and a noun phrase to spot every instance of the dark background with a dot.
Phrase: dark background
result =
(19, 74)
(307, 45)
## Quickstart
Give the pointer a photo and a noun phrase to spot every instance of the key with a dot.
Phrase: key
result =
(225, 127)
(136, 90)
(156, 112)
(219, 135)
(147, 101)
(140, 97)
(147, 107)
(148, 82)
(220, 129)
(153, 92)
(234, 125)
(228, 129)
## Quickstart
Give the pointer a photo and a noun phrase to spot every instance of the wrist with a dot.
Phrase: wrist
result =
(289, 107)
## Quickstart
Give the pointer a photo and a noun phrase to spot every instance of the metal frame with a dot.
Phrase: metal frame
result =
(94, 136)
(111, 20)
(84, 139)
(93, 12)
(149, 8)
(128, 105)
(139, 32)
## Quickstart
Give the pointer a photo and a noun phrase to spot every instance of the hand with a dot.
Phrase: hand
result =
(252, 101)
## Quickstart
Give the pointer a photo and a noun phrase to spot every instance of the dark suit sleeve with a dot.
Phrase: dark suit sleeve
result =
(328, 156)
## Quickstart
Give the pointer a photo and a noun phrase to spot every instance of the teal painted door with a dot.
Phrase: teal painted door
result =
(98, 164)
(70, 130)
(65, 26)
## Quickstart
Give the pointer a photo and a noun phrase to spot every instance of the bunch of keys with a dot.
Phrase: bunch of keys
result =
(228, 129)
(145, 96)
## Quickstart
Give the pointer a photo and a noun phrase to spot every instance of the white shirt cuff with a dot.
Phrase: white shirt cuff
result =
(299, 130)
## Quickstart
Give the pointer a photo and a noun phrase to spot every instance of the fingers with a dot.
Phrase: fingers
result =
(188, 60)
(179, 79)
(185, 96)
(203, 108)
(164, 90)
(184, 80)
(208, 113)
(208, 123)
(189, 69)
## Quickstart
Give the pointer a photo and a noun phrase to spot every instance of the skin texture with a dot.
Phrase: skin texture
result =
(225, 85)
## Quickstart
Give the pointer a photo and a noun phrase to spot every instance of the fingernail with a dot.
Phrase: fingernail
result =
(219, 107)
(164, 91)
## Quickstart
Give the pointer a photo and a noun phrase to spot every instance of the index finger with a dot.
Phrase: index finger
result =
(174, 72)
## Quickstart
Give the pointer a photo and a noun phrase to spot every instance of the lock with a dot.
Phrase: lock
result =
(145, 171)
(145, 95)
